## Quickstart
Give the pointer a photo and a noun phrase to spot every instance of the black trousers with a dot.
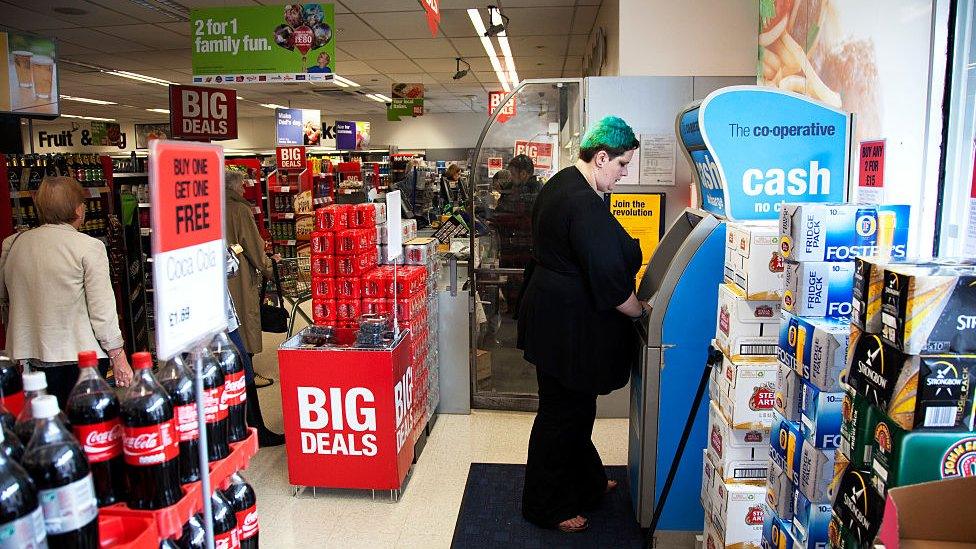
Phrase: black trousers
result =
(564, 475)
(62, 379)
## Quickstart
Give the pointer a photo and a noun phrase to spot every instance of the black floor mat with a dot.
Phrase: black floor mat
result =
(491, 514)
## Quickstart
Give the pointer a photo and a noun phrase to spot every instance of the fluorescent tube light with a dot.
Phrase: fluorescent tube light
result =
(383, 98)
(139, 77)
(273, 106)
(88, 117)
(496, 19)
(377, 97)
(479, 27)
(341, 80)
(86, 100)
(164, 111)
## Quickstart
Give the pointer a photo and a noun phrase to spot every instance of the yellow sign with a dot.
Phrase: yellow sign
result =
(642, 216)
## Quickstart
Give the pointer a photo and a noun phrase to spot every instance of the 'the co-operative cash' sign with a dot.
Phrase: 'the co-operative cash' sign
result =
(754, 148)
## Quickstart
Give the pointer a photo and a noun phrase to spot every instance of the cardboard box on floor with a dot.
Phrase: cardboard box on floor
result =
(931, 515)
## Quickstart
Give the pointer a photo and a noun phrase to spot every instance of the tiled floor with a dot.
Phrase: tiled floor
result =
(426, 513)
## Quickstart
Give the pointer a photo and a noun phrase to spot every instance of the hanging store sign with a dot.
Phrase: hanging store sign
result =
(263, 44)
(495, 99)
(291, 158)
(197, 112)
(433, 15)
(351, 136)
(408, 100)
(186, 183)
(298, 127)
(870, 180)
(762, 147)
(540, 153)
(29, 79)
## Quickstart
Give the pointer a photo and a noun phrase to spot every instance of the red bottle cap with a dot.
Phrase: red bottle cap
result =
(141, 360)
(87, 359)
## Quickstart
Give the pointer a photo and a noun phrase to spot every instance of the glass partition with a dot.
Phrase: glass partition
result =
(531, 136)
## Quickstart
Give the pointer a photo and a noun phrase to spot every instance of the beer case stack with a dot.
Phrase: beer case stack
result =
(908, 409)
(742, 388)
(818, 244)
(423, 252)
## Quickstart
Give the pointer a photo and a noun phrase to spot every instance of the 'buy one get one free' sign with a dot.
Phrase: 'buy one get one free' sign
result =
(187, 196)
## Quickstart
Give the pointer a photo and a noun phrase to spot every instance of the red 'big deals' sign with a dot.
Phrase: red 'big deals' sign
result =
(540, 153)
(197, 112)
(291, 158)
(495, 99)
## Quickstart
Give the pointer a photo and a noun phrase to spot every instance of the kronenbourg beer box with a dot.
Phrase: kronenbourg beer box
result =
(746, 330)
(752, 260)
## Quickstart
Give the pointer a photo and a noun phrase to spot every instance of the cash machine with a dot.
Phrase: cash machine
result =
(741, 141)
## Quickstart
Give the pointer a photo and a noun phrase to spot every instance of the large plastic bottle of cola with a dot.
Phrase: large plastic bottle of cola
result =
(235, 390)
(214, 408)
(178, 382)
(21, 517)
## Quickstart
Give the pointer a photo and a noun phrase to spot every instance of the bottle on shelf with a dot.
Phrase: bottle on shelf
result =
(234, 397)
(61, 473)
(243, 499)
(35, 385)
(176, 379)
(215, 409)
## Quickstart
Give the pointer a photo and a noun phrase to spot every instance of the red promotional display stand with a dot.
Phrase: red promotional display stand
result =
(352, 415)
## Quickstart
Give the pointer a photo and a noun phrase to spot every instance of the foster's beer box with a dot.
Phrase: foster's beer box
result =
(816, 348)
(841, 232)
(818, 288)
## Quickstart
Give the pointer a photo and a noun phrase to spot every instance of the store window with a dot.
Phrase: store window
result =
(957, 230)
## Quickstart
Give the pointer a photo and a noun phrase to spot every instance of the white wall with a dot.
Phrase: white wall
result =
(688, 38)
(432, 131)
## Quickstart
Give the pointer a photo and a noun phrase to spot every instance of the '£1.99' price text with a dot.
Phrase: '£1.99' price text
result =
(178, 317)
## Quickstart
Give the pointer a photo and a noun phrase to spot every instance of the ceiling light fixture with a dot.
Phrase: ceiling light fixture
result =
(339, 80)
(164, 111)
(496, 20)
(379, 97)
(479, 27)
(273, 106)
(86, 100)
(497, 26)
(139, 77)
(461, 73)
(88, 117)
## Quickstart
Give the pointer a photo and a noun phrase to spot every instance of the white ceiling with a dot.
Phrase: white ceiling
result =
(378, 42)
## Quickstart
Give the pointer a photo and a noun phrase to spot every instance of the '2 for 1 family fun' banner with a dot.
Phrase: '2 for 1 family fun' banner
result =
(260, 44)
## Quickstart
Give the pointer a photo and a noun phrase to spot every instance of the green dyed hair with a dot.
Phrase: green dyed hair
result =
(610, 134)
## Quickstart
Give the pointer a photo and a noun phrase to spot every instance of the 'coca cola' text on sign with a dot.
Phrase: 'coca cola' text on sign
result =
(101, 441)
(150, 445)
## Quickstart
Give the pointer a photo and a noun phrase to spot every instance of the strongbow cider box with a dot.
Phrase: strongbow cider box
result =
(858, 510)
(746, 330)
(752, 260)
(841, 232)
(930, 310)
(816, 348)
(818, 288)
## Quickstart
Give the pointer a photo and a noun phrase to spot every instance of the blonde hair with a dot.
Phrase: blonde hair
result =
(57, 200)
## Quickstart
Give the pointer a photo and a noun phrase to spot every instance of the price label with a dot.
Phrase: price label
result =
(187, 199)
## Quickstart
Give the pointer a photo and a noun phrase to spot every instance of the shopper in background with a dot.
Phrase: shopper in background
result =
(253, 410)
(247, 247)
(577, 325)
(451, 185)
(56, 295)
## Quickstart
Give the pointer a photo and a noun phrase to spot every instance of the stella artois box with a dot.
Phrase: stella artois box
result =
(750, 388)
(779, 492)
(820, 416)
(739, 515)
(910, 457)
(788, 392)
(930, 311)
(752, 260)
(738, 455)
(777, 532)
(709, 485)
(746, 330)
(810, 521)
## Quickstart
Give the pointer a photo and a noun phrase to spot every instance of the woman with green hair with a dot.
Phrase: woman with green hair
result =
(577, 325)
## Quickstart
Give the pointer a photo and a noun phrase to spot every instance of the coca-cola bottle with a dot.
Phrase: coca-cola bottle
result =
(224, 522)
(35, 385)
(244, 500)
(168, 544)
(194, 534)
(235, 390)
(93, 410)
(21, 517)
(60, 471)
(7, 418)
(11, 385)
(178, 383)
(213, 391)
(11, 446)
(149, 440)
